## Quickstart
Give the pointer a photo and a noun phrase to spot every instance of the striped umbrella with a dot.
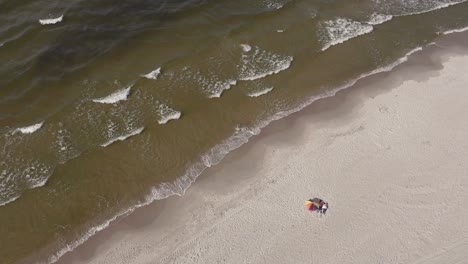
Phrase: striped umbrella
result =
(312, 205)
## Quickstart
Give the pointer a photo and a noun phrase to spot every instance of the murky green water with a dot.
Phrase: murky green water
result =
(106, 106)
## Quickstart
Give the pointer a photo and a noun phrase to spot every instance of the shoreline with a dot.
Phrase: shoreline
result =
(161, 211)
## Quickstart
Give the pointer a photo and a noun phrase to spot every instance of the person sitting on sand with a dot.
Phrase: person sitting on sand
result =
(324, 208)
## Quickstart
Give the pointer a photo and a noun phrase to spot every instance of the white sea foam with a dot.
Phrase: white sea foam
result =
(274, 4)
(377, 19)
(91, 232)
(246, 47)
(153, 75)
(213, 157)
(436, 6)
(458, 30)
(113, 98)
(30, 129)
(220, 87)
(413, 7)
(262, 63)
(51, 21)
(124, 137)
(2, 203)
(34, 183)
(214, 87)
(167, 114)
(34, 173)
(65, 147)
(208, 79)
(173, 116)
(341, 30)
(261, 92)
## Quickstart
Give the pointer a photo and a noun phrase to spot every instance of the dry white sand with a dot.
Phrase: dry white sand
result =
(390, 155)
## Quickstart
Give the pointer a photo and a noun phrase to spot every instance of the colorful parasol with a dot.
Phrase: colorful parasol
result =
(312, 204)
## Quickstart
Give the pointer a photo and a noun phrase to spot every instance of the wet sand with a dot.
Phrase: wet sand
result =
(388, 154)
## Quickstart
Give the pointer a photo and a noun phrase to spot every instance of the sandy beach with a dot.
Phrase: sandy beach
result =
(388, 154)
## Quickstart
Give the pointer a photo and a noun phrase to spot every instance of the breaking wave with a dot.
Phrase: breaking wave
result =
(377, 19)
(262, 63)
(413, 7)
(12, 199)
(340, 30)
(246, 47)
(167, 114)
(153, 75)
(219, 87)
(437, 5)
(458, 30)
(213, 86)
(32, 174)
(29, 129)
(124, 137)
(51, 21)
(273, 5)
(114, 97)
(261, 92)
(207, 79)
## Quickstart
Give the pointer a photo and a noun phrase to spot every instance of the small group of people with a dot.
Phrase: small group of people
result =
(317, 204)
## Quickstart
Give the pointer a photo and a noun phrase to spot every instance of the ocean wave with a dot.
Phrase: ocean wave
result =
(458, 30)
(414, 7)
(10, 200)
(213, 157)
(29, 129)
(167, 114)
(246, 47)
(124, 137)
(220, 87)
(215, 87)
(23, 170)
(261, 92)
(63, 146)
(377, 19)
(29, 173)
(113, 98)
(262, 63)
(51, 21)
(34, 183)
(273, 4)
(437, 5)
(340, 30)
(154, 74)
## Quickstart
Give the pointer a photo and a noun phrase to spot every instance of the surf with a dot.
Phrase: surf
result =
(340, 30)
(153, 75)
(123, 137)
(261, 92)
(51, 21)
(167, 114)
(120, 95)
(30, 129)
